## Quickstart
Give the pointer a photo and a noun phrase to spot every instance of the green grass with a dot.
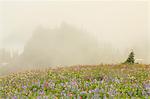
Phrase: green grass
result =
(79, 82)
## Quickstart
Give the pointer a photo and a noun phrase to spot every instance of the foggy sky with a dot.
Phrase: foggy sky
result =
(122, 24)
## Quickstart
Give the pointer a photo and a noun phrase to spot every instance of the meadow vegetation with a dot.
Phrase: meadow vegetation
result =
(79, 82)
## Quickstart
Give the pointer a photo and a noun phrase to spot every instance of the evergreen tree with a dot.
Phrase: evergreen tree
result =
(130, 59)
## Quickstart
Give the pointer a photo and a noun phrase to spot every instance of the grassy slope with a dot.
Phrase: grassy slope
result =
(79, 81)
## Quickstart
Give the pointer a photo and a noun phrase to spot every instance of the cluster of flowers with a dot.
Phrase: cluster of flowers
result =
(78, 82)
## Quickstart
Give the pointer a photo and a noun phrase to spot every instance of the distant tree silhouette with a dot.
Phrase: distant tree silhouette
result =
(130, 59)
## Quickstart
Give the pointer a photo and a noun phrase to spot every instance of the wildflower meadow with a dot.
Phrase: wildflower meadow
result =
(79, 82)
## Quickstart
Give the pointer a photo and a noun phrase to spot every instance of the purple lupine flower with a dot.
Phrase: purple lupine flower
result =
(83, 92)
(39, 97)
(101, 81)
(14, 97)
(42, 86)
(147, 86)
(104, 97)
(74, 83)
(63, 93)
(41, 92)
(112, 92)
(24, 87)
(62, 84)
(87, 84)
(96, 90)
(39, 83)
(90, 91)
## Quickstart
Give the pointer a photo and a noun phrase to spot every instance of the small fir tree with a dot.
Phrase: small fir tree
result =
(130, 59)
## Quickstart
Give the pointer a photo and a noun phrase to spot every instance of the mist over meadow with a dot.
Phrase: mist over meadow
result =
(38, 35)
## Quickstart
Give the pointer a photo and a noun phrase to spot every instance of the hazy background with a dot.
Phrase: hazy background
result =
(116, 27)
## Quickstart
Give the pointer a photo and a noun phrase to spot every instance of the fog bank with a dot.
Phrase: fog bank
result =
(70, 33)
